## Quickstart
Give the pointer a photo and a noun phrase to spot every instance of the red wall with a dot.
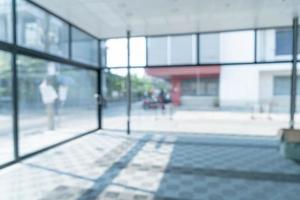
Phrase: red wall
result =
(178, 74)
(176, 90)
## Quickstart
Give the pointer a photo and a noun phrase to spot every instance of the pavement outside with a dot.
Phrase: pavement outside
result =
(34, 134)
(110, 165)
(180, 120)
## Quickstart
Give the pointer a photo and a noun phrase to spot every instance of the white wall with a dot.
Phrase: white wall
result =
(238, 85)
(237, 46)
(251, 85)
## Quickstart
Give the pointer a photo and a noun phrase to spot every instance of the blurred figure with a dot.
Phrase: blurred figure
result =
(162, 99)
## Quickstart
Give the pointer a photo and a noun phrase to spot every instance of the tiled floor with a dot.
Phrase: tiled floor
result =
(108, 165)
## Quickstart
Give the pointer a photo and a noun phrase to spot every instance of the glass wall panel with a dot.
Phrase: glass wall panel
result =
(183, 50)
(6, 124)
(237, 46)
(57, 37)
(116, 52)
(84, 47)
(227, 47)
(158, 51)
(56, 102)
(114, 88)
(138, 51)
(232, 99)
(297, 115)
(103, 53)
(275, 44)
(31, 26)
(5, 20)
(38, 30)
(209, 48)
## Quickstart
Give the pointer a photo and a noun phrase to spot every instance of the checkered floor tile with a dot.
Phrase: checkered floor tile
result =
(109, 165)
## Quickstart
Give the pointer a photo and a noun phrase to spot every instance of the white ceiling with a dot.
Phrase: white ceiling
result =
(111, 18)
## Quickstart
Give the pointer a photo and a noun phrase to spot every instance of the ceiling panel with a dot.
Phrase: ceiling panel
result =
(111, 18)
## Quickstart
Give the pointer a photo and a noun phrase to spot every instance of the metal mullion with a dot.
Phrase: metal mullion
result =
(99, 86)
(70, 40)
(15, 98)
(198, 49)
(128, 84)
(6, 46)
(294, 74)
(255, 45)
(37, 54)
(201, 32)
(147, 50)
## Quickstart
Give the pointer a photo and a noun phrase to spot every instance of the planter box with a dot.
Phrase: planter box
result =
(290, 143)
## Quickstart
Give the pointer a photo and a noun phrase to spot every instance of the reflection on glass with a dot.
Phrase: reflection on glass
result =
(209, 46)
(6, 130)
(231, 99)
(237, 46)
(58, 37)
(183, 49)
(158, 51)
(84, 47)
(41, 31)
(227, 47)
(5, 20)
(31, 26)
(55, 102)
(114, 90)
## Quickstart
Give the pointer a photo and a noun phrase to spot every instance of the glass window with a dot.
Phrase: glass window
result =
(41, 31)
(158, 51)
(237, 46)
(6, 129)
(275, 44)
(138, 51)
(209, 48)
(103, 53)
(31, 26)
(282, 85)
(116, 52)
(183, 49)
(84, 47)
(114, 88)
(227, 47)
(52, 98)
(200, 87)
(58, 37)
(283, 42)
(172, 50)
(297, 114)
(5, 21)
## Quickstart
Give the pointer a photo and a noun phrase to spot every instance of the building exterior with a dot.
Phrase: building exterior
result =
(257, 87)
(191, 85)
